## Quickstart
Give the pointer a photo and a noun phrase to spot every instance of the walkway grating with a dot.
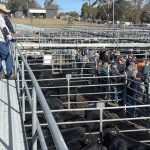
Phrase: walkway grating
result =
(11, 132)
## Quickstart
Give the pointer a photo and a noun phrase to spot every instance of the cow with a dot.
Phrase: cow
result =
(114, 140)
(74, 137)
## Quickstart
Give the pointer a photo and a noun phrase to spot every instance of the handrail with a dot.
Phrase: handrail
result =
(39, 130)
(55, 132)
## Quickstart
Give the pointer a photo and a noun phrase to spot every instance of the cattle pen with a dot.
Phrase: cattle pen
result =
(66, 101)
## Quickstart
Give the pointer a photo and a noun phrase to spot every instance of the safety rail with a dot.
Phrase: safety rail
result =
(101, 109)
(137, 93)
(33, 98)
(75, 35)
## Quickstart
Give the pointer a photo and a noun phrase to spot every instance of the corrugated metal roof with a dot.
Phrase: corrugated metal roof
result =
(11, 133)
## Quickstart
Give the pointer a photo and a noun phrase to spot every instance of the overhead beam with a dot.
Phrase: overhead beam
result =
(90, 45)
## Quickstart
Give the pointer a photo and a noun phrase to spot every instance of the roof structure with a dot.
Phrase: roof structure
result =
(33, 10)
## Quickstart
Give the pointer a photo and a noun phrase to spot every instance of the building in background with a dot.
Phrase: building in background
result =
(50, 11)
(36, 13)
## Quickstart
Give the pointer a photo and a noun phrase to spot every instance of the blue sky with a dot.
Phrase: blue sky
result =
(67, 5)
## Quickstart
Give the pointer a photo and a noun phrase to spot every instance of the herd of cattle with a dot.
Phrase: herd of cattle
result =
(75, 135)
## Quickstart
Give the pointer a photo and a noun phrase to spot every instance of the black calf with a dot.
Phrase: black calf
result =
(114, 140)
(74, 137)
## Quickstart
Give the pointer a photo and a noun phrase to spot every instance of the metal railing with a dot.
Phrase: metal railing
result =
(36, 95)
(76, 35)
(83, 82)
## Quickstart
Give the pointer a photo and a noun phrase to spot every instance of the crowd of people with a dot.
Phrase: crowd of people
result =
(116, 63)
(112, 63)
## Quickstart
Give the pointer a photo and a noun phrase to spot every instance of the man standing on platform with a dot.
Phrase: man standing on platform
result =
(5, 37)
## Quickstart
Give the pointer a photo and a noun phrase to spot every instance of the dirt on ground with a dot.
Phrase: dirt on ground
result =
(53, 23)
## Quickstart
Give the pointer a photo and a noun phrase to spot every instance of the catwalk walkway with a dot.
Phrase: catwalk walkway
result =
(11, 131)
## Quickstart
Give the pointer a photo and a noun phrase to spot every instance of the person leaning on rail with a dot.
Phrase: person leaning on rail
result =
(8, 23)
(5, 37)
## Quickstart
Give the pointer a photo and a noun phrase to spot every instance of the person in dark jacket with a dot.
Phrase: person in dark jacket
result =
(104, 71)
(102, 52)
(139, 87)
(145, 70)
(121, 65)
(130, 94)
(9, 24)
(106, 57)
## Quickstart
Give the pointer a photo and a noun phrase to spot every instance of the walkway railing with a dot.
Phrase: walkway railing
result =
(36, 96)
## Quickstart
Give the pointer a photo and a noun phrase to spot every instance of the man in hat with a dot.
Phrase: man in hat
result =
(7, 20)
(5, 36)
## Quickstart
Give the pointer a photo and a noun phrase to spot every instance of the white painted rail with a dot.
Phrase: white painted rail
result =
(56, 45)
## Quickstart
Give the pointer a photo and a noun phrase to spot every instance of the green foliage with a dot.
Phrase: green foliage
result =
(21, 4)
(135, 11)
(145, 16)
(85, 11)
(69, 15)
(72, 14)
(70, 21)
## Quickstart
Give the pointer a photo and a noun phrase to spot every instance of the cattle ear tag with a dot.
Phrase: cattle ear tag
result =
(99, 140)
(86, 141)
(114, 132)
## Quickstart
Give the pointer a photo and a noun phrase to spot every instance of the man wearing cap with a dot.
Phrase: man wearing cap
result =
(5, 36)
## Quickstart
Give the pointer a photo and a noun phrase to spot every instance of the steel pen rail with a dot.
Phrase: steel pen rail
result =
(36, 95)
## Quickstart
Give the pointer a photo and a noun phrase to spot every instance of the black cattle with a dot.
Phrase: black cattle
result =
(74, 137)
(114, 140)
(55, 103)
(94, 115)
(93, 142)
(77, 140)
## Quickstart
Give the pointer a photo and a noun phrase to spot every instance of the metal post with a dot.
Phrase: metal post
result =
(34, 121)
(68, 80)
(17, 72)
(124, 94)
(146, 54)
(95, 83)
(39, 38)
(15, 60)
(68, 76)
(52, 64)
(108, 82)
(23, 91)
(101, 120)
(12, 47)
(26, 56)
(148, 102)
(61, 60)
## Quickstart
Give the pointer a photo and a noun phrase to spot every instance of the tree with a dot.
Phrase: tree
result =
(94, 13)
(85, 11)
(15, 4)
(125, 10)
(24, 4)
(145, 16)
(103, 9)
(136, 11)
